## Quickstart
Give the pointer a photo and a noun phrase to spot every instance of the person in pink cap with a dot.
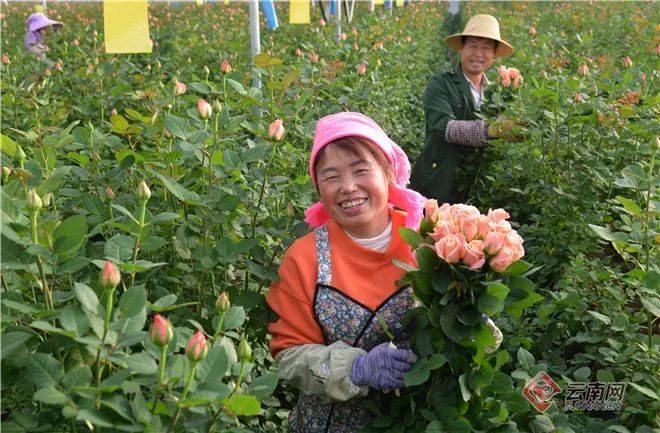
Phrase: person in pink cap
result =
(337, 284)
(38, 25)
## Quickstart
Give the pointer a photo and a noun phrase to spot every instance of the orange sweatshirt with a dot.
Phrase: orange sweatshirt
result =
(369, 277)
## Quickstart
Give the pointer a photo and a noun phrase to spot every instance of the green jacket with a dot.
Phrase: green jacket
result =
(447, 97)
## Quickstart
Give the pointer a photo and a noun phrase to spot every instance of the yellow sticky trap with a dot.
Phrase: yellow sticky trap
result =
(379, 2)
(126, 26)
(199, 2)
(39, 8)
(226, 2)
(299, 12)
(399, 3)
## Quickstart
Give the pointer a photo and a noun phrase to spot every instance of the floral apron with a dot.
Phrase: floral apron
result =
(344, 319)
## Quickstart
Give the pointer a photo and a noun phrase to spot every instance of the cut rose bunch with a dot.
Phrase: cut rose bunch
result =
(509, 76)
(465, 236)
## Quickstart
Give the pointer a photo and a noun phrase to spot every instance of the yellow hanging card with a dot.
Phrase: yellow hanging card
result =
(126, 26)
(379, 2)
(299, 12)
(399, 3)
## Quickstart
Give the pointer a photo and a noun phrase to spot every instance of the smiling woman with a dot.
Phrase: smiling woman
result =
(328, 339)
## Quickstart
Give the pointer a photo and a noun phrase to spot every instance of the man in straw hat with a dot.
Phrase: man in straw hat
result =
(451, 100)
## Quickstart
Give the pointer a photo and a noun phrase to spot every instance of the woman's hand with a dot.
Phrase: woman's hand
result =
(383, 367)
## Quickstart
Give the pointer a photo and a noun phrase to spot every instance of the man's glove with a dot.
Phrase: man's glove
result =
(383, 367)
(507, 129)
(497, 334)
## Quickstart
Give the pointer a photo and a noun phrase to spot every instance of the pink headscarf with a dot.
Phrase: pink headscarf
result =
(348, 124)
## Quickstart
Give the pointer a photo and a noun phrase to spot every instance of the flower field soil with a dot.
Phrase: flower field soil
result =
(147, 200)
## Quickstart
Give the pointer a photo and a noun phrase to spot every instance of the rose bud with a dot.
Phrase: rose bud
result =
(222, 304)
(244, 351)
(276, 130)
(196, 349)
(110, 277)
(161, 331)
(204, 108)
(143, 192)
(34, 201)
(179, 88)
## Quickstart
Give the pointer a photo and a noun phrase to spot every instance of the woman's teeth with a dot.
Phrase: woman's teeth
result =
(352, 203)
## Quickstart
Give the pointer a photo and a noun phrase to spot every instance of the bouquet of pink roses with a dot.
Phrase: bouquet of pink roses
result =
(463, 235)
(469, 268)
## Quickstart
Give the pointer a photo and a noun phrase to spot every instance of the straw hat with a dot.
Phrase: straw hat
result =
(481, 26)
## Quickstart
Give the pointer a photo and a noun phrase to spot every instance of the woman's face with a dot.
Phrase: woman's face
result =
(477, 55)
(354, 189)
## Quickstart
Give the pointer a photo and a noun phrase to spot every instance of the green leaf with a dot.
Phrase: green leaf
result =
(119, 124)
(234, 318)
(516, 402)
(418, 374)
(629, 205)
(518, 267)
(202, 88)
(237, 86)
(600, 317)
(50, 395)
(265, 60)
(72, 318)
(617, 428)
(214, 366)
(142, 363)
(411, 237)
(525, 359)
(7, 145)
(12, 341)
(582, 374)
(646, 391)
(177, 190)
(99, 418)
(651, 304)
(492, 301)
(126, 212)
(69, 236)
(119, 248)
(542, 424)
(54, 180)
(242, 405)
(263, 386)
(602, 232)
(77, 377)
(434, 427)
(11, 427)
(460, 425)
(132, 301)
(465, 391)
(165, 217)
(177, 126)
(43, 370)
(86, 297)
(501, 383)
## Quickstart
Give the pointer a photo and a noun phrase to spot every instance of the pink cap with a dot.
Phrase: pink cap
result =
(348, 124)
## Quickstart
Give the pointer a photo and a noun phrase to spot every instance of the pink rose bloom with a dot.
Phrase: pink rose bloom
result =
(483, 224)
(444, 212)
(498, 215)
(430, 209)
(361, 69)
(500, 226)
(444, 228)
(532, 30)
(474, 254)
(451, 248)
(503, 259)
(627, 62)
(493, 242)
(469, 225)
